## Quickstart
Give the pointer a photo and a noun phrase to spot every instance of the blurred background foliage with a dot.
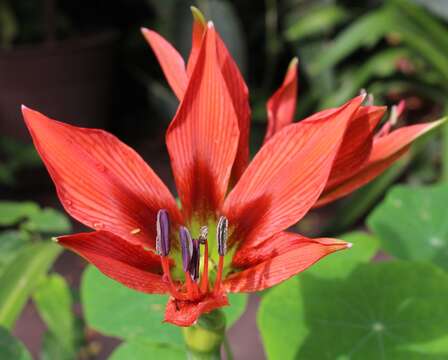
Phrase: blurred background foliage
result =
(395, 49)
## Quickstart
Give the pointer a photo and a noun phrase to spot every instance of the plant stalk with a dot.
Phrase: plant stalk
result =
(205, 338)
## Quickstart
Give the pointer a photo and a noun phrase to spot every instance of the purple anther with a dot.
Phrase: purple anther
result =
(163, 233)
(222, 230)
(195, 260)
(186, 244)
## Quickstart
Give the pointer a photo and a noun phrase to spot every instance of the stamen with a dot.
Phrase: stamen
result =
(167, 274)
(186, 244)
(203, 233)
(222, 232)
(163, 233)
(135, 231)
(195, 260)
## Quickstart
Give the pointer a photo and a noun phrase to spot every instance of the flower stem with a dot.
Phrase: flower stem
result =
(204, 339)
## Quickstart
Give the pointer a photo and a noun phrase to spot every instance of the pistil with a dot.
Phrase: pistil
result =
(203, 234)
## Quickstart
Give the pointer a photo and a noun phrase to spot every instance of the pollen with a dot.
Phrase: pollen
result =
(135, 231)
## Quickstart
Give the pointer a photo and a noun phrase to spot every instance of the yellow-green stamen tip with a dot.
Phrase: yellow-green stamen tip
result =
(198, 15)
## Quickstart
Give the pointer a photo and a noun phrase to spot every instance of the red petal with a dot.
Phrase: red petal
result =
(203, 137)
(186, 313)
(170, 60)
(281, 107)
(100, 181)
(126, 263)
(289, 255)
(239, 93)
(357, 144)
(385, 151)
(286, 177)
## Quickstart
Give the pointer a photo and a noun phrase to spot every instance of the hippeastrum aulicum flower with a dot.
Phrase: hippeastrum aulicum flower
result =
(230, 232)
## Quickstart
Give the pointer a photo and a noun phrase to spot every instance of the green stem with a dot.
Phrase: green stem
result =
(204, 339)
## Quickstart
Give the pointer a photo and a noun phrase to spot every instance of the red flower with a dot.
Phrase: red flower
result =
(143, 240)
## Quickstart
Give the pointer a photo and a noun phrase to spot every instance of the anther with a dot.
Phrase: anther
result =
(195, 260)
(186, 244)
(222, 231)
(163, 233)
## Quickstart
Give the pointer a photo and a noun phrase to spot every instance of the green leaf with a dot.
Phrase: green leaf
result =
(53, 349)
(11, 242)
(411, 223)
(12, 212)
(8, 25)
(115, 310)
(54, 303)
(366, 31)
(20, 278)
(144, 351)
(11, 348)
(381, 64)
(47, 220)
(136, 315)
(233, 312)
(389, 310)
(341, 263)
(316, 21)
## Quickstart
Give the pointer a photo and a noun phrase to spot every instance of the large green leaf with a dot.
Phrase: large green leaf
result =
(341, 263)
(12, 212)
(115, 310)
(412, 223)
(53, 349)
(393, 310)
(11, 348)
(136, 315)
(53, 300)
(143, 351)
(20, 278)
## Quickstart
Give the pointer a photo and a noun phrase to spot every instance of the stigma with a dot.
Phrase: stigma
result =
(194, 252)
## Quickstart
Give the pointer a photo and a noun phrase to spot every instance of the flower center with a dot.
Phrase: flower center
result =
(196, 283)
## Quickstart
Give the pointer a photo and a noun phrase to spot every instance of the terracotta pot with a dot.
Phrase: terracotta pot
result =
(69, 80)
